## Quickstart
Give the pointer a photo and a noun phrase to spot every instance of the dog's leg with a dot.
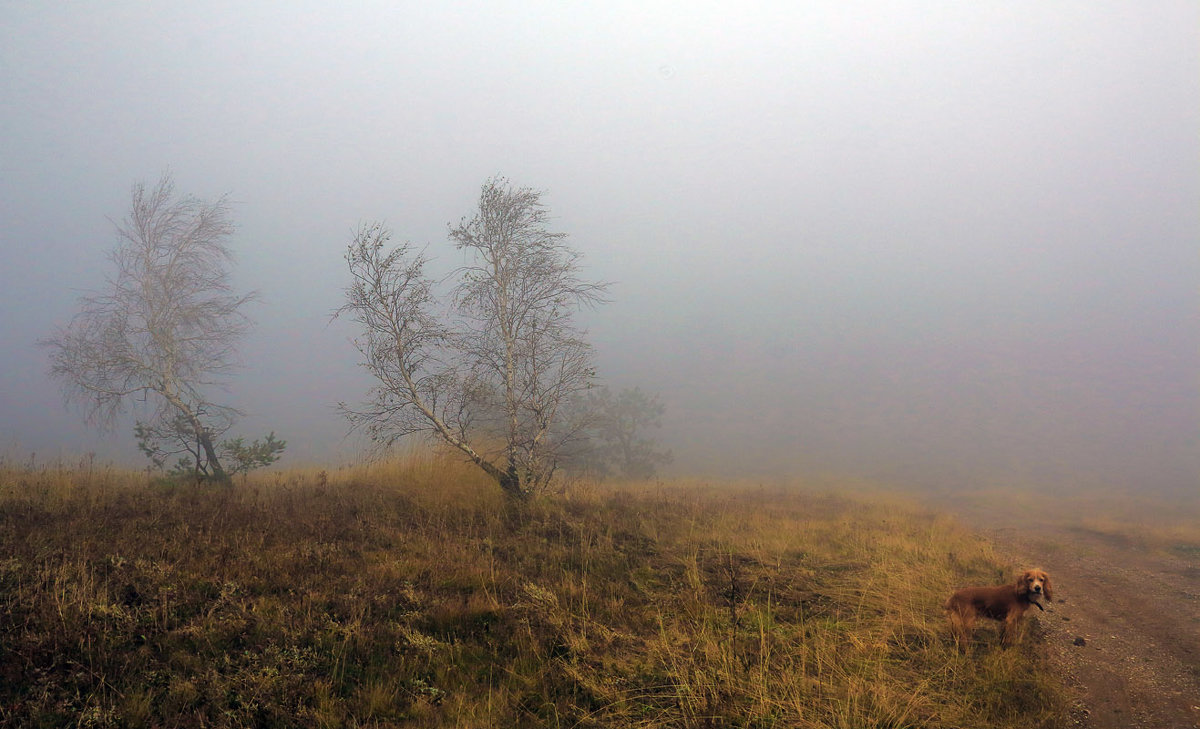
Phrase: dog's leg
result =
(960, 627)
(1010, 627)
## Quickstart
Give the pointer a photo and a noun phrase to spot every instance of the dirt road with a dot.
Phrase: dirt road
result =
(1125, 624)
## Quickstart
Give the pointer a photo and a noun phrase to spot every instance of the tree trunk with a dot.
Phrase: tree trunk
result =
(509, 481)
(210, 453)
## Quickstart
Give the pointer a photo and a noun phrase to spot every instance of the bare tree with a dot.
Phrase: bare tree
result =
(167, 327)
(492, 376)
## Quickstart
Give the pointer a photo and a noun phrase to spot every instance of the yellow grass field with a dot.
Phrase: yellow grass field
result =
(409, 594)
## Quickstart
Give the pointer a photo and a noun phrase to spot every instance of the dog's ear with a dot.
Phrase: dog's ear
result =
(1046, 586)
(1023, 582)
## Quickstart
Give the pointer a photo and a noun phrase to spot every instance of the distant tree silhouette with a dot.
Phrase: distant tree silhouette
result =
(617, 428)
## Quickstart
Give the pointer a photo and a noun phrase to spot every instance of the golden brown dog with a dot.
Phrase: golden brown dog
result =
(1006, 603)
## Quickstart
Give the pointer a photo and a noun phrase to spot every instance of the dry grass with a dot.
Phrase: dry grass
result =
(408, 594)
(1165, 523)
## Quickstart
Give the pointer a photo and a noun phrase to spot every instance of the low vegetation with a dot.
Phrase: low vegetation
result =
(414, 593)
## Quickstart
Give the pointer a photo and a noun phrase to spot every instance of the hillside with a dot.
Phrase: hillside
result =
(407, 594)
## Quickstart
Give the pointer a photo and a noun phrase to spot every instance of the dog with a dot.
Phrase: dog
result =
(1006, 603)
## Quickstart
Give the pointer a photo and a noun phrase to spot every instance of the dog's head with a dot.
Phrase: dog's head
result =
(1035, 583)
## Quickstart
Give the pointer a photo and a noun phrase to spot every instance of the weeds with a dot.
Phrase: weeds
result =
(406, 594)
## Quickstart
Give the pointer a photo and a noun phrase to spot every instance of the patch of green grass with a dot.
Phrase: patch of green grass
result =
(409, 594)
(1186, 549)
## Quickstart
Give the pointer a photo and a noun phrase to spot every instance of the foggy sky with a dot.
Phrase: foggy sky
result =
(947, 243)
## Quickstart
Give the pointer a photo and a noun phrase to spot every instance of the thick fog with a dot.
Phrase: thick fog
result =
(943, 243)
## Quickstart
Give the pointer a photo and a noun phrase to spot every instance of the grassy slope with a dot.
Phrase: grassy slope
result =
(405, 594)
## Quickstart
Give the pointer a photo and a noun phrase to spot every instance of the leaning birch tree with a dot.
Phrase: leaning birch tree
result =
(489, 367)
(167, 327)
